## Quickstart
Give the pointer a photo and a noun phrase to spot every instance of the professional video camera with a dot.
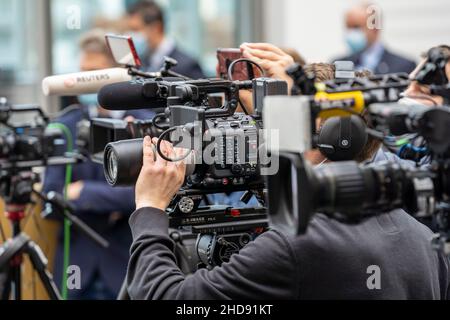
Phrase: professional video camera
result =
(22, 142)
(223, 149)
(27, 141)
(349, 191)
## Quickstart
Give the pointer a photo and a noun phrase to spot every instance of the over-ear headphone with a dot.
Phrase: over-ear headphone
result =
(342, 138)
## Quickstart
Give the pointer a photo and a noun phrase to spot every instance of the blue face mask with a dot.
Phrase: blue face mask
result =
(88, 99)
(140, 43)
(356, 40)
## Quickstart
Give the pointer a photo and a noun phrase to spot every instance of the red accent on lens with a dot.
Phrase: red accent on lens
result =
(235, 213)
(225, 181)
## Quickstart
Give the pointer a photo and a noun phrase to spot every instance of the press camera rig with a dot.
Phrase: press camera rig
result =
(27, 142)
(349, 191)
(223, 147)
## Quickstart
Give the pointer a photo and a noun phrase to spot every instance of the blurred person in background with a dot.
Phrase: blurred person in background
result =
(146, 21)
(420, 94)
(102, 207)
(367, 51)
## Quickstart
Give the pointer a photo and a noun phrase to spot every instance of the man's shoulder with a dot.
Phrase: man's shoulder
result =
(398, 60)
(326, 234)
(183, 57)
(352, 57)
(187, 65)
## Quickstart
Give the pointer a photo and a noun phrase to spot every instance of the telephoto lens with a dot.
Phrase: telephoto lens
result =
(351, 191)
(123, 161)
(344, 187)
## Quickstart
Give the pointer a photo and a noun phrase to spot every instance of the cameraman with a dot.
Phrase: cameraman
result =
(331, 261)
(103, 208)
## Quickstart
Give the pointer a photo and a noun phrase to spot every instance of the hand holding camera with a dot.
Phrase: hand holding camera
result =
(159, 180)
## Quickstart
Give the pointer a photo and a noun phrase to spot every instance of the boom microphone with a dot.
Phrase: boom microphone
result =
(138, 94)
(83, 82)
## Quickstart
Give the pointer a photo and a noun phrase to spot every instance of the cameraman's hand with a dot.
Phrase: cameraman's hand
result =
(74, 190)
(272, 59)
(159, 180)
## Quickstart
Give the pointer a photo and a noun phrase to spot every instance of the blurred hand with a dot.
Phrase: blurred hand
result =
(272, 59)
(130, 119)
(74, 190)
(159, 180)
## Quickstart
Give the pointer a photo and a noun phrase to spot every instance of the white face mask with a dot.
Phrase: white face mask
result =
(407, 101)
(410, 101)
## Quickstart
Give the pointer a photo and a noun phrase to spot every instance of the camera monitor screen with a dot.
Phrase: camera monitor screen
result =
(123, 50)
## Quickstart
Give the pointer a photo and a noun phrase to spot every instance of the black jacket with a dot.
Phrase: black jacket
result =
(187, 66)
(389, 63)
(331, 261)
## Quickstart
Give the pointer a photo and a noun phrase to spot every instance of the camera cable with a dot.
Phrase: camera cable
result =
(67, 224)
(161, 139)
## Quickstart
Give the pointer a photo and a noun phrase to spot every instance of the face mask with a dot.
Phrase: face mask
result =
(140, 43)
(116, 114)
(88, 99)
(408, 101)
(356, 40)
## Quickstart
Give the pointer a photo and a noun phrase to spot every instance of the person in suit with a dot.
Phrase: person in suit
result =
(146, 21)
(102, 207)
(367, 51)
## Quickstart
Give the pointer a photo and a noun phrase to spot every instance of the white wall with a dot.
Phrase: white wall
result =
(316, 27)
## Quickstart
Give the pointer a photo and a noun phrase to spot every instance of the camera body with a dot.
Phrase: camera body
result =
(222, 154)
(200, 117)
(233, 161)
(27, 142)
(25, 136)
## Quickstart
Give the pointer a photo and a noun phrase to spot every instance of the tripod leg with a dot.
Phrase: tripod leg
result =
(16, 278)
(7, 287)
(39, 262)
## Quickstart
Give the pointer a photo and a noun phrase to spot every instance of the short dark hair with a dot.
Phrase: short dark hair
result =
(149, 11)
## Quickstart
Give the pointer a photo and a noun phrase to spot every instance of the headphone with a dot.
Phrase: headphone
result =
(342, 138)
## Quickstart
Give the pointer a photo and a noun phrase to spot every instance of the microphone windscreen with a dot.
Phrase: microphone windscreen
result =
(130, 95)
(83, 82)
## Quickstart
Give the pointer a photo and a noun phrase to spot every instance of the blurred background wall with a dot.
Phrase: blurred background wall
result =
(316, 28)
(36, 39)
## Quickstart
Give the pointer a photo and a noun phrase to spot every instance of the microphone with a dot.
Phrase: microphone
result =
(83, 82)
(139, 94)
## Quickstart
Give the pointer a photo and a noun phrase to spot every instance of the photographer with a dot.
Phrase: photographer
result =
(331, 261)
(420, 94)
(103, 208)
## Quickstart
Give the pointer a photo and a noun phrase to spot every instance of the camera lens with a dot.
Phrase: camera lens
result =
(112, 165)
(123, 162)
